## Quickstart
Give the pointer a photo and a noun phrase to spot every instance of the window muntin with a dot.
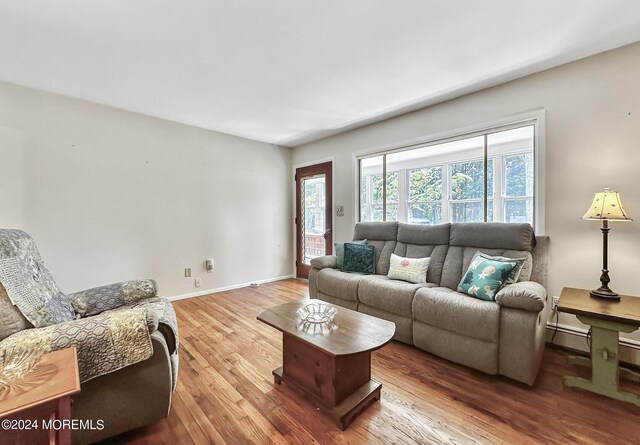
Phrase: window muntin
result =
(446, 182)
(371, 189)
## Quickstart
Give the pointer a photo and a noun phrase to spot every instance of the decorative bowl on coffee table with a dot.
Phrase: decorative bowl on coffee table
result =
(317, 318)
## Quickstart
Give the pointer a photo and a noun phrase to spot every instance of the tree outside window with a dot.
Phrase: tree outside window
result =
(467, 191)
(425, 195)
(518, 201)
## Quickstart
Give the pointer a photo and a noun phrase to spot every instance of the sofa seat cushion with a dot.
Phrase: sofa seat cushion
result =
(339, 284)
(392, 296)
(456, 312)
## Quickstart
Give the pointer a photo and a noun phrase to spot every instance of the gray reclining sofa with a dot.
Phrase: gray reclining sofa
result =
(505, 336)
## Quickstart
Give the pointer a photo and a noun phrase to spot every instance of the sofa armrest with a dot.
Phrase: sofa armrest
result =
(322, 262)
(99, 299)
(527, 295)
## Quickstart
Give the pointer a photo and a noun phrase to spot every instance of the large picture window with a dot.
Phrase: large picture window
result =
(487, 177)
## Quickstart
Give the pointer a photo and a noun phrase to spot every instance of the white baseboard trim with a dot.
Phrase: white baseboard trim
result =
(226, 288)
(575, 338)
(580, 332)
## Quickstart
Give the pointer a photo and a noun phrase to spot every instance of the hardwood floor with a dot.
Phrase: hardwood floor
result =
(226, 394)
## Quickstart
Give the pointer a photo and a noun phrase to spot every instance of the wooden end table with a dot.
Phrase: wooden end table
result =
(607, 319)
(333, 368)
(42, 396)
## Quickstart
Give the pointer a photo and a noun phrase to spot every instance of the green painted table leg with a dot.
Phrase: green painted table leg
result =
(604, 361)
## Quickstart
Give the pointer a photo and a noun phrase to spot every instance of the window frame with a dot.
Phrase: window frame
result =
(534, 118)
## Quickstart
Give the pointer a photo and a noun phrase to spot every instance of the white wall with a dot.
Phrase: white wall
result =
(111, 195)
(592, 140)
(11, 177)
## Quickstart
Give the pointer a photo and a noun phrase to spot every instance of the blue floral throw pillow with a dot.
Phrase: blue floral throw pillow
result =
(485, 277)
(359, 258)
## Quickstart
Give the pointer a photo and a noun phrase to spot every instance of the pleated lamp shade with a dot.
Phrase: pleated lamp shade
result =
(607, 205)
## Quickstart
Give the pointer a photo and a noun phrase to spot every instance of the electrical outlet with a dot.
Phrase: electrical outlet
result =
(555, 301)
(197, 282)
(187, 272)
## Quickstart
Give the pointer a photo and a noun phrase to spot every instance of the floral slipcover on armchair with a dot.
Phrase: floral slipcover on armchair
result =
(110, 326)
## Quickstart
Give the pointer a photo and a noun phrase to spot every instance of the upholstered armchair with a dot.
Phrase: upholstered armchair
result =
(125, 335)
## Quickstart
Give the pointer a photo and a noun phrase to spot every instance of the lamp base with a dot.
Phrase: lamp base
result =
(604, 292)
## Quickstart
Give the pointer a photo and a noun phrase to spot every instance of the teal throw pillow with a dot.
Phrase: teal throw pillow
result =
(515, 273)
(339, 248)
(485, 277)
(359, 258)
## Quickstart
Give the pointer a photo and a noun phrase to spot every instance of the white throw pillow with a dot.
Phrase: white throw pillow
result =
(413, 270)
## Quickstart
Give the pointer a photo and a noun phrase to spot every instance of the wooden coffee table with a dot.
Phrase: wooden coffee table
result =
(332, 368)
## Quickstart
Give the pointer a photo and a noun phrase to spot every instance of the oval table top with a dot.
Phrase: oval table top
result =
(354, 332)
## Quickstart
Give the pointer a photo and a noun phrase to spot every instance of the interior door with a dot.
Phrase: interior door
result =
(314, 210)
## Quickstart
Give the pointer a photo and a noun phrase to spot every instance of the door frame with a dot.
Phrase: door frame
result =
(322, 167)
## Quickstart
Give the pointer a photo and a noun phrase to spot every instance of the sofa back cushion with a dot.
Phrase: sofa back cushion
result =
(382, 236)
(507, 236)
(452, 246)
(496, 239)
(421, 241)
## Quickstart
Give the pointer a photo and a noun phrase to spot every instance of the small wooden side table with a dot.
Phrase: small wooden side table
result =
(40, 398)
(607, 319)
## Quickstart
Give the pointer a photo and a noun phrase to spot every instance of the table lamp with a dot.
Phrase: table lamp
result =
(606, 206)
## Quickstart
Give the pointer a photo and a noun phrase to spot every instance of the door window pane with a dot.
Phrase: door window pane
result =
(313, 195)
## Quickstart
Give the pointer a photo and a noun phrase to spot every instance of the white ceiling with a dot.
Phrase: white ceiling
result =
(293, 71)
